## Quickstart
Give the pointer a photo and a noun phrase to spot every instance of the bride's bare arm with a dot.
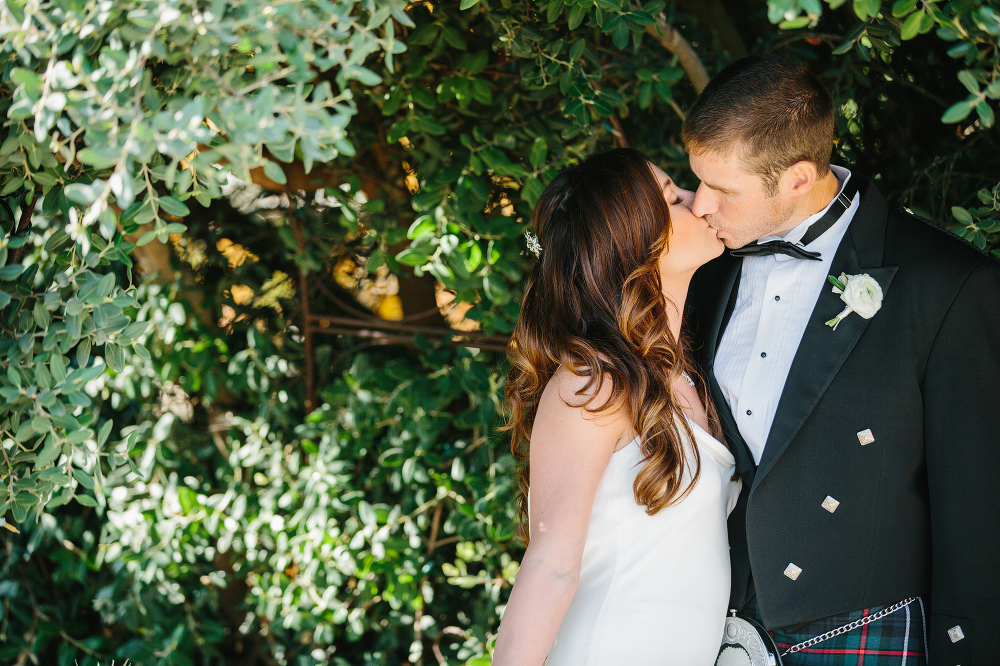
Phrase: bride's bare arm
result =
(569, 451)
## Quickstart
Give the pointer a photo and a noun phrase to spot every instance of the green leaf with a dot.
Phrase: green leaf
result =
(367, 514)
(988, 19)
(466, 4)
(102, 434)
(398, 130)
(603, 108)
(962, 215)
(100, 159)
(128, 216)
(85, 479)
(134, 330)
(475, 257)
(794, 24)
(40, 315)
(424, 97)
(985, 112)
(866, 8)
(105, 286)
(31, 81)
(173, 206)
(811, 6)
(531, 191)
(11, 272)
(114, 356)
(539, 150)
(901, 8)
(968, 79)
(422, 226)
(430, 125)
(620, 36)
(363, 74)
(424, 34)
(573, 106)
(612, 97)
(412, 258)
(40, 424)
(911, 26)
(26, 499)
(958, 111)
(49, 454)
(86, 500)
(83, 352)
(576, 16)
(58, 368)
(844, 47)
(79, 436)
(275, 172)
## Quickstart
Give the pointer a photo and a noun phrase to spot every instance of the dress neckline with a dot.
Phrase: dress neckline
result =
(717, 449)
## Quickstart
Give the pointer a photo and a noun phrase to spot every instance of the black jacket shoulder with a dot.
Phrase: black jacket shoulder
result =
(914, 242)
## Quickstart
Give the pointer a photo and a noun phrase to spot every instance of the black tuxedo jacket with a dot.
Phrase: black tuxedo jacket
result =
(919, 510)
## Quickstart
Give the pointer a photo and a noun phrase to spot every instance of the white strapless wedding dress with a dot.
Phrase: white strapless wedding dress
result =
(653, 589)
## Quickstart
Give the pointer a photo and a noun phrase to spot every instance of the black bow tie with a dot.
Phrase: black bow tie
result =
(817, 229)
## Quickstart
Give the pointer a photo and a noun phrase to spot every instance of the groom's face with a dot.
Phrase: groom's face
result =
(735, 201)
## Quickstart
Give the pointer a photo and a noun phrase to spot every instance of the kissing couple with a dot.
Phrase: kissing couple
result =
(779, 453)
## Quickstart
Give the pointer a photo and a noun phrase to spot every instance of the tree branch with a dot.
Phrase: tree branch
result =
(673, 41)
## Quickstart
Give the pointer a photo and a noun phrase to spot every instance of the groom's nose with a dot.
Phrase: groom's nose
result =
(706, 202)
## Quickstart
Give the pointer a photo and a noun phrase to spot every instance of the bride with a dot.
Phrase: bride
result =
(628, 557)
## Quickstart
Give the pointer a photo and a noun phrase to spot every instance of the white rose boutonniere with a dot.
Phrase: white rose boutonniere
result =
(861, 293)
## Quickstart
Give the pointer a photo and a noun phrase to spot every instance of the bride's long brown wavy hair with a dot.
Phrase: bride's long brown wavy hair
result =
(593, 304)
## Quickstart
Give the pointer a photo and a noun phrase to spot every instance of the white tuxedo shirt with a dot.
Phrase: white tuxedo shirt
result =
(777, 293)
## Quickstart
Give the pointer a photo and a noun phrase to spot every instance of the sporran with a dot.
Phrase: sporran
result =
(746, 643)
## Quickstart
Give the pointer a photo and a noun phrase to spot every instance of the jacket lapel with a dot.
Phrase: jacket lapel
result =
(722, 280)
(823, 351)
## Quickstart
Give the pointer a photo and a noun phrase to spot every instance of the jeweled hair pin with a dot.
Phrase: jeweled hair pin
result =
(533, 245)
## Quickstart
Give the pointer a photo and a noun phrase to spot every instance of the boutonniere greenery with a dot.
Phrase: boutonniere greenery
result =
(861, 293)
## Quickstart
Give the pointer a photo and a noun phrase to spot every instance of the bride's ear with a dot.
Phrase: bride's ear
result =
(799, 178)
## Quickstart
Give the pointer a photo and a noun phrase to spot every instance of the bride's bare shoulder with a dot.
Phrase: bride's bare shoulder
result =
(578, 392)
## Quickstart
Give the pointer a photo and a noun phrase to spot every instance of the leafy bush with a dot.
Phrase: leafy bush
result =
(185, 490)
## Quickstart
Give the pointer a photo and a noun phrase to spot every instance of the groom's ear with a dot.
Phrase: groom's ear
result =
(798, 179)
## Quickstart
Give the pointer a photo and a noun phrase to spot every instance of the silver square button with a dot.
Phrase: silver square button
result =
(956, 634)
(830, 504)
(866, 437)
(792, 571)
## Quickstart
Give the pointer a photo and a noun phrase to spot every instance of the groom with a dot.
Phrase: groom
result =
(869, 450)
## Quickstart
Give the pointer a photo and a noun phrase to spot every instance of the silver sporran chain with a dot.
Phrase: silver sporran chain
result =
(888, 610)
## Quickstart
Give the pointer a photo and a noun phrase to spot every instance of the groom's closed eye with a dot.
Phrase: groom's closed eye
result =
(717, 188)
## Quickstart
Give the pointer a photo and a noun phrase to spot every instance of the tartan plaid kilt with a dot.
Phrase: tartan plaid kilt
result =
(898, 639)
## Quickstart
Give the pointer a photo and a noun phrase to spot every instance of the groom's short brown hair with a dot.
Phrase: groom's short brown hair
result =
(771, 109)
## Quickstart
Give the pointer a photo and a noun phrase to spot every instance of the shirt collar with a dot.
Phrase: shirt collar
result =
(796, 234)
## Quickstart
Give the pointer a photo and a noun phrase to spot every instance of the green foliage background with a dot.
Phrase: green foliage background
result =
(174, 498)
